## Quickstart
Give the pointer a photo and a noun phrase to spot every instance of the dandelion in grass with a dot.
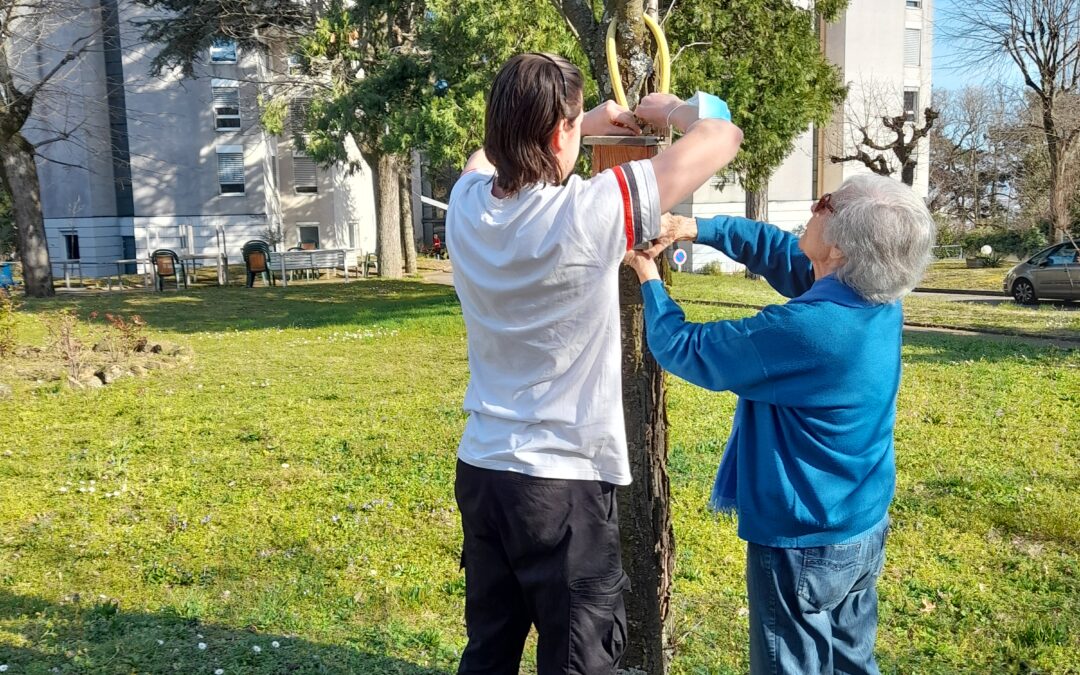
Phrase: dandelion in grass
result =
(256, 649)
(219, 671)
(3, 667)
(160, 642)
(202, 646)
(275, 644)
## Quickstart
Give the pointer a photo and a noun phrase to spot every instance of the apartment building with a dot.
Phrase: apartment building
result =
(883, 49)
(182, 163)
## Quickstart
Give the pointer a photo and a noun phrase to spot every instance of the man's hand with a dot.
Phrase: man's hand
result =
(643, 263)
(609, 119)
(660, 110)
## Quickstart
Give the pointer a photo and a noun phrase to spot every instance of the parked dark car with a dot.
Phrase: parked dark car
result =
(1053, 272)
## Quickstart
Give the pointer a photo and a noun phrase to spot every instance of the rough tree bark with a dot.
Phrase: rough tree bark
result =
(18, 171)
(408, 239)
(757, 208)
(388, 245)
(648, 539)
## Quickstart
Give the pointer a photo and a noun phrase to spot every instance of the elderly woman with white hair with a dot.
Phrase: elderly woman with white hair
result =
(809, 466)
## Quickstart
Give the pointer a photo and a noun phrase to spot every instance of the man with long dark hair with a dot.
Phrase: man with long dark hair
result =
(536, 258)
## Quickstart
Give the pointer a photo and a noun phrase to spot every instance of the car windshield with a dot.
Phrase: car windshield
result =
(1043, 255)
(1063, 255)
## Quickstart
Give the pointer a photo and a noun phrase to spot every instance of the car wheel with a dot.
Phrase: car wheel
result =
(1023, 292)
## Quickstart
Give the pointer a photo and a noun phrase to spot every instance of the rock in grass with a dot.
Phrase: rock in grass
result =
(110, 374)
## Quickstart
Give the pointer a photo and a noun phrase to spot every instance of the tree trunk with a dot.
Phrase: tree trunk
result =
(1059, 197)
(757, 204)
(648, 539)
(907, 174)
(408, 236)
(757, 208)
(19, 174)
(388, 244)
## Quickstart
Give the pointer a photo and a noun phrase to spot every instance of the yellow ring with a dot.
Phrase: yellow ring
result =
(663, 54)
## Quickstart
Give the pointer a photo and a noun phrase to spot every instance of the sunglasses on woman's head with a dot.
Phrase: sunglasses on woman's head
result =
(824, 203)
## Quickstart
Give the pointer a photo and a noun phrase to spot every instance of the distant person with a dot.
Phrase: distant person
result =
(536, 259)
(809, 467)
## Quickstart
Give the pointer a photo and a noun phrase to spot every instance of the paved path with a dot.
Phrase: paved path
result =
(438, 277)
(988, 298)
(447, 279)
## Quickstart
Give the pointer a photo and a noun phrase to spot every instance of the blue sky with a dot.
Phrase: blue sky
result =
(946, 73)
(946, 77)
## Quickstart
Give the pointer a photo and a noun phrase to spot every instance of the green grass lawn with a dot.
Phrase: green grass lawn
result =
(954, 274)
(292, 486)
(990, 314)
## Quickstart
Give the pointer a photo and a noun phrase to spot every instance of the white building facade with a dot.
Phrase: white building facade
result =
(883, 50)
(182, 163)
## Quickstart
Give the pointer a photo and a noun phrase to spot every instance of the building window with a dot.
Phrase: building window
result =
(226, 94)
(273, 171)
(912, 46)
(911, 105)
(71, 245)
(298, 112)
(294, 64)
(309, 235)
(914, 3)
(305, 176)
(223, 50)
(230, 160)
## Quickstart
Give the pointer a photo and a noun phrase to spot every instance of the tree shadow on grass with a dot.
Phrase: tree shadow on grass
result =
(942, 348)
(95, 637)
(298, 306)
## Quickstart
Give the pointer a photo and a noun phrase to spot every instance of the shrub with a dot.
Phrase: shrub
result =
(126, 335)
(713, 269)
(64, 343)
(1020, 243)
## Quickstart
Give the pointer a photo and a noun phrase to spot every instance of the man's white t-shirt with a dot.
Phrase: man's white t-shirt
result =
(537, 276)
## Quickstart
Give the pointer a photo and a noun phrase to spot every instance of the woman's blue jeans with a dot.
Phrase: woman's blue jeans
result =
(814, 610)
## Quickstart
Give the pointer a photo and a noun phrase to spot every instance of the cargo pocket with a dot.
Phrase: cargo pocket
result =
(597, 624)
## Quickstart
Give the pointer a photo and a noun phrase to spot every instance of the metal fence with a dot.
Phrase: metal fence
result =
(952, 252)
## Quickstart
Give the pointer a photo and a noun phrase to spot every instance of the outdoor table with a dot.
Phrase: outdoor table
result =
(67, 265)
(222, 268)
(120, 272)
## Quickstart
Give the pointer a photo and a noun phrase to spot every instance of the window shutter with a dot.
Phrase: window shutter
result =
(298, 111)
(226, 107)
(231, 171)
(912, 46)
(305, 178)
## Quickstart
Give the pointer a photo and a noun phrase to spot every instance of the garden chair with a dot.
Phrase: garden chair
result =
(371, 262)
(166, 263)
(256, 255)
(7, 279)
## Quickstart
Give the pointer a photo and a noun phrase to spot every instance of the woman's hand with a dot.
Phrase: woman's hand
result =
(609, 119)
(642, 263)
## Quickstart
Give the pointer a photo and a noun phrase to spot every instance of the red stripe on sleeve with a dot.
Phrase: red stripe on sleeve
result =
(628, 214)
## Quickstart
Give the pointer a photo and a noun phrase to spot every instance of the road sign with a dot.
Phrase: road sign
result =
(679, 258)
